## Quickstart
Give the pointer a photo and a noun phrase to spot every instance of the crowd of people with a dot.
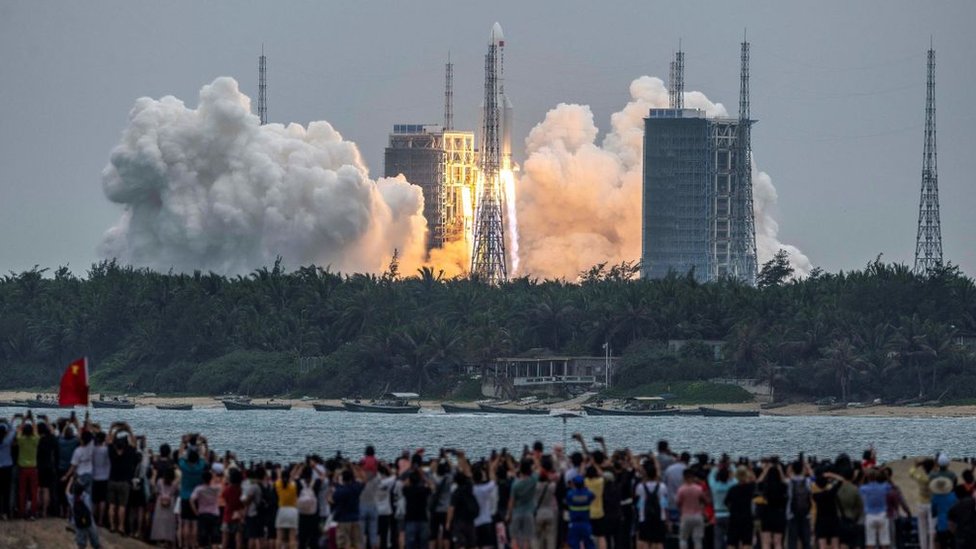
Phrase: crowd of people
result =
(188, 495)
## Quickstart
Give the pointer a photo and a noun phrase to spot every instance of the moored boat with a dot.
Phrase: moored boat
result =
(524, 411)
(328, 407)
(238, 405)
(450, 408)
(634, 406)
(40, 401)
(390, 403)
(716, 412)
(119, 403)
(180, 407)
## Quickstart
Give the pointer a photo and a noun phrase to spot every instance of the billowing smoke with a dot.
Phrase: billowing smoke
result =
(211, 189)
(579, 203)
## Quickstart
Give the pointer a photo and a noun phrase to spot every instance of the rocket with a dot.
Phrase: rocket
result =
(498, 38)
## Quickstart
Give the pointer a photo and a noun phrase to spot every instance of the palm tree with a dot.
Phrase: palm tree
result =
(841, 357)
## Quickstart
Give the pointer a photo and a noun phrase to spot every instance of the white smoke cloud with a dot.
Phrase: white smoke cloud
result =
(211, 189)
(579, 203)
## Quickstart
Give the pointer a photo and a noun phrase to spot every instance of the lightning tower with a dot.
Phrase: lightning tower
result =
(928, 242)
(676, 94)
(448, 94)
(744, 261)
(488, 259)
(263, 87)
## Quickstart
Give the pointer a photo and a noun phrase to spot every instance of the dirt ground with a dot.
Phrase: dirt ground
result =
(51, 534)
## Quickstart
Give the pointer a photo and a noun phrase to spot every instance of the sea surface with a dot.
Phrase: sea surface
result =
(292, 434)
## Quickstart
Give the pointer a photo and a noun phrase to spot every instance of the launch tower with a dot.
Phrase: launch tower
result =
(697, 194)
(488, 258)
(263, 87)
(928, 242)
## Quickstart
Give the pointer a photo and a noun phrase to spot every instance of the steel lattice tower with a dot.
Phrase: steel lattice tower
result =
(676, 95)
(263, 87)
(744, 222)
(448, 94)
(928, 242)
(488, 256)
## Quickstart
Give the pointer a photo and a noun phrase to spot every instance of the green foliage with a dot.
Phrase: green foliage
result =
(776, 271)
(646, 361)
(882, 331)
(687, 392)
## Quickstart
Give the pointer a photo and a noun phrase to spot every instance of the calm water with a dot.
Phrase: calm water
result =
(284, 435)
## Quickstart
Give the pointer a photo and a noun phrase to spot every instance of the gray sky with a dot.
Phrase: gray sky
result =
(838, 88)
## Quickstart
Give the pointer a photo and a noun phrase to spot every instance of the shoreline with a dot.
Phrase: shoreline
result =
(790, 410)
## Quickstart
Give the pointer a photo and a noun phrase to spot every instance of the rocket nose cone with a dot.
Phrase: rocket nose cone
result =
(496, 38)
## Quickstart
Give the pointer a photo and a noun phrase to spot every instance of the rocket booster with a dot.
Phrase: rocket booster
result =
(497, 38)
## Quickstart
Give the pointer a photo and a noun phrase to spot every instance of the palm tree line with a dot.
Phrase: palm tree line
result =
(879, 332)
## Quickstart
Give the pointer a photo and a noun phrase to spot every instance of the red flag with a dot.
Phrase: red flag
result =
(74, 384)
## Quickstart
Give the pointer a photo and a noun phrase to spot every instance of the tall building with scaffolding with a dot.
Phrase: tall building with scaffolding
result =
(697, 189)
(442, 161)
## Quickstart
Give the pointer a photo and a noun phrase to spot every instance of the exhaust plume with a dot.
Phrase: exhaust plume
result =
(579, 202)
(212, 189)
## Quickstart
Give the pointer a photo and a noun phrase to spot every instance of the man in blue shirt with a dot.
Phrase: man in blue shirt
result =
(345, 505)
(874, 493)
(578, 501)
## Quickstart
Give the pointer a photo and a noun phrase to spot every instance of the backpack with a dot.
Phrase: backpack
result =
(435, 498)
(81, 514)
(268, 502)
(466, 508)
(800, 503)
(652, 504)
(307, 502)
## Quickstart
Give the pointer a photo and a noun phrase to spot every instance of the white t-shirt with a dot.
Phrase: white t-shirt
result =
(383, 505)
(487, 496)
(674, 475)
(646, 490)
(101, 464)
(82, 459)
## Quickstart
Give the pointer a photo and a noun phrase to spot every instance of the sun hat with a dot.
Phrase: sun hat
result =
(943, 460)
(742, 474)
(217, 469)
(940, 486)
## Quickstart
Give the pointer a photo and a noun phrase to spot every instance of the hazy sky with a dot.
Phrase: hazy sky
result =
(837, 86)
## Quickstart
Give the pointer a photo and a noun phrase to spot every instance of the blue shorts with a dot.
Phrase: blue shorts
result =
(580, 533)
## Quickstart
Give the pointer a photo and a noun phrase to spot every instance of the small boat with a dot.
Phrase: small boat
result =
(524, 411)
(39, 401)
(241, 404)
(390, 403)
(328, 408)
(773, 405)
(715, 412)
(119, 403)
(180, 407)
(9, 404)
(634, 406)
(450, 408)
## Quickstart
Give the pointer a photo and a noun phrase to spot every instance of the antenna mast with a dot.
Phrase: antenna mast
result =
(676, 94)
(263, 87)
(745, 221)
(928, 242)
(449, 94)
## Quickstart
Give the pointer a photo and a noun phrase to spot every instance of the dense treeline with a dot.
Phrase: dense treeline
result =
(878, 332)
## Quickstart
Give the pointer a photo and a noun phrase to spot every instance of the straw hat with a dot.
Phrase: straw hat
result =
(940, 486)
(742, 474)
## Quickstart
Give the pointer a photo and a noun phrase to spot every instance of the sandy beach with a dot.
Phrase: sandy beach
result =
(434, 405)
